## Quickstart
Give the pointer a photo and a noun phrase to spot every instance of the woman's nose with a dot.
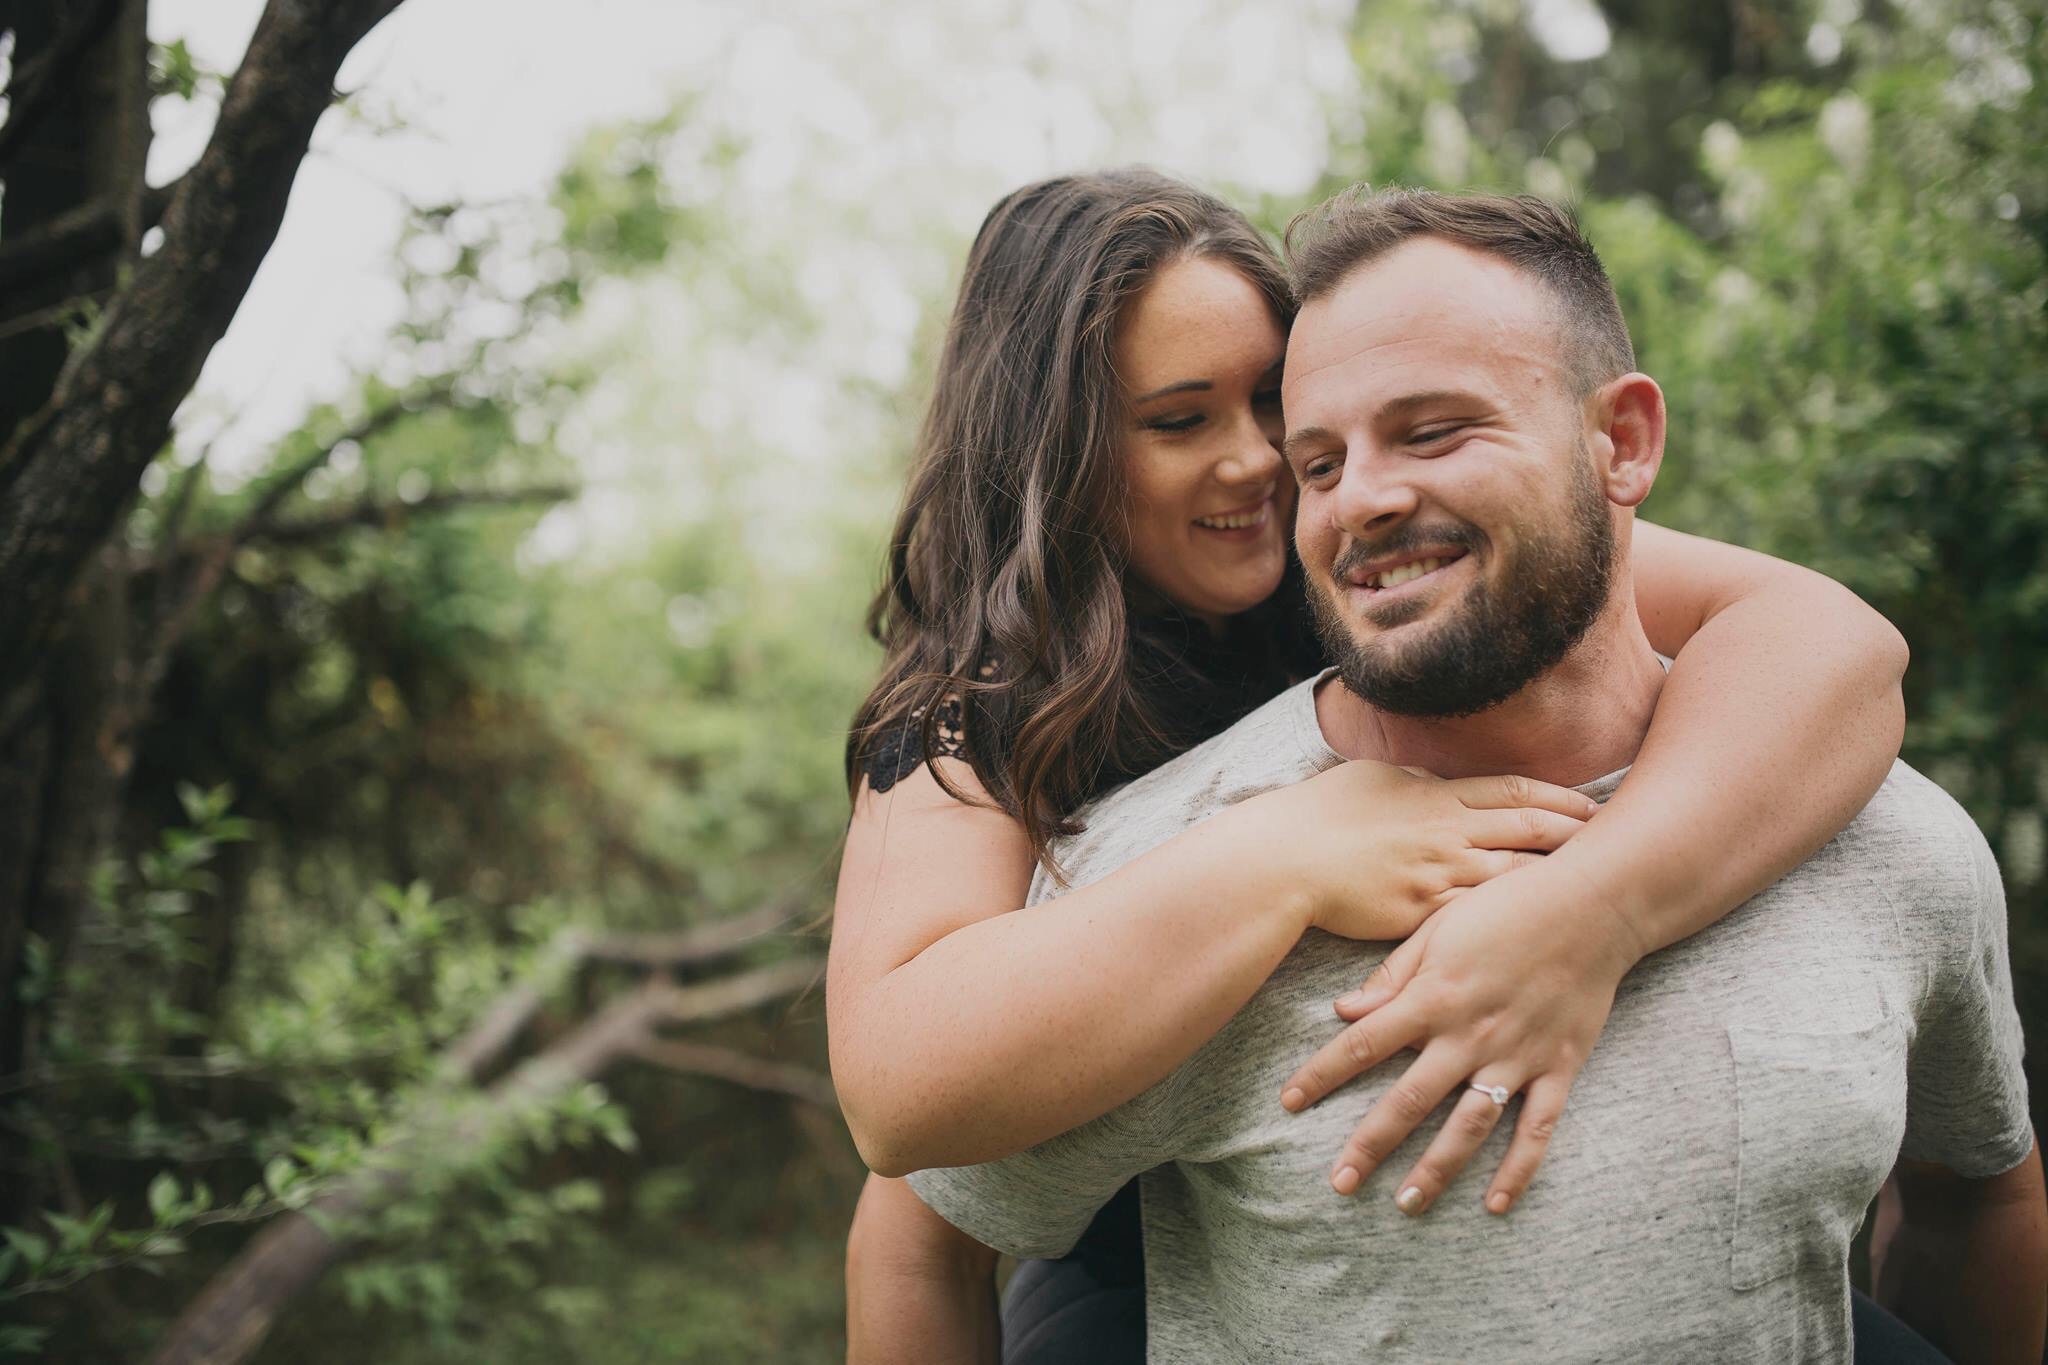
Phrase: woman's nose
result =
(1252, 459)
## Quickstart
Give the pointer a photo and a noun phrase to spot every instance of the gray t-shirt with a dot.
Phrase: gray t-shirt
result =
(1753, 1087)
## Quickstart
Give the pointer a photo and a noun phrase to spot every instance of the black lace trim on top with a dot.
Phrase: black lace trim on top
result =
(900, 752)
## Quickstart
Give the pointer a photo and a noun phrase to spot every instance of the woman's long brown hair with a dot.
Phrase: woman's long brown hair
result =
(1006, 587)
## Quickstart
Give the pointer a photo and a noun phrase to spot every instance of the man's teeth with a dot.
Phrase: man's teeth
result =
(1394, 578)
(1233, 523)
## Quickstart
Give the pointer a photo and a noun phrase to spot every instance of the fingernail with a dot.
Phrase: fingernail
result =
(1356, 1000)
(1346, 1179)
(1293, 1098)
(1498, 1201)
(1409, 1201)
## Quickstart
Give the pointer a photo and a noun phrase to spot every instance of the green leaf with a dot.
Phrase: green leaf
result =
(279, 1174)
(17, 1340)
(163, 1197)
(34, 1250)
(73, 1234)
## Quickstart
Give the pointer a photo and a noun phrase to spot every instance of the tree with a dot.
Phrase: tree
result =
(84, 420)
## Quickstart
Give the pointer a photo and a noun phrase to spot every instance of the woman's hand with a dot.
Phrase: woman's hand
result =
(1509, 987)
(1381, 848)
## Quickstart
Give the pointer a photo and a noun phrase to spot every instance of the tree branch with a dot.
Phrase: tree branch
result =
(291, 480)
(37, 83)
(446, 1134)
(699, 943)
(730, 1064)
(390, 515)
(155, 199)
(67, 472)
(80, 236)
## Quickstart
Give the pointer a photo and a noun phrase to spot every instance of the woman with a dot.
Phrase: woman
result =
(1091, 573)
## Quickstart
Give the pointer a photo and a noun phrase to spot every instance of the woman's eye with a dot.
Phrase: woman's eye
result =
(1188, 423)
(1316, 469)
(1266, 398)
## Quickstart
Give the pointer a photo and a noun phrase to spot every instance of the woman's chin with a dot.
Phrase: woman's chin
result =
(1237, 599)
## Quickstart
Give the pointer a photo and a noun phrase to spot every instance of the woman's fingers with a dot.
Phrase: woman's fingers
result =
(1359, 1048)
(1525, 827)
(1484, 864)
(1541, 1109)
(1395, 971)
(1470, 1124)
(1387, 1125)
(1512, 789)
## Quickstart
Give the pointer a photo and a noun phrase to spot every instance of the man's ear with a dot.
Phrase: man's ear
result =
(1627, 415)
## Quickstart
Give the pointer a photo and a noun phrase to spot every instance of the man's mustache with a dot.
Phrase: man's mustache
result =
(1406, 539)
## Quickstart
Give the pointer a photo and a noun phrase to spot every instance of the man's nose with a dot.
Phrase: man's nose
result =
(1372, 494)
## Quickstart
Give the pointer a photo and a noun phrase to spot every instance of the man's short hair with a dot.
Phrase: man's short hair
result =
(1358, 225)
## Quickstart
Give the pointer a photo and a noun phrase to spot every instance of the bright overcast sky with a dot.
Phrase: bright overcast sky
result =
(494, 96)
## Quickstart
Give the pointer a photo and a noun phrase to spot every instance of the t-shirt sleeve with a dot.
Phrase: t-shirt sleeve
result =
(1039, 1202)
(1966, 1105)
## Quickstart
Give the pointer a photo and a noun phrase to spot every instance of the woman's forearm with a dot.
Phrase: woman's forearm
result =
(1779, 721)
(1020, 1026)
(916, 1288)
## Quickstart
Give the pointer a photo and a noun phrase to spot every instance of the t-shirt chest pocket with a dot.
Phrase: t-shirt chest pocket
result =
(1820, 1119)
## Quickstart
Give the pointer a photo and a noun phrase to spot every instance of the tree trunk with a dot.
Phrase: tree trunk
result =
(79, 429)
(80, 82)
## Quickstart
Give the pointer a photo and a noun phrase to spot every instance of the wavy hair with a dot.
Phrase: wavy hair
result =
(1006, 593)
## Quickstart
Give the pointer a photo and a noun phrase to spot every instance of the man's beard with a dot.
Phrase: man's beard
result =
(1496, 643)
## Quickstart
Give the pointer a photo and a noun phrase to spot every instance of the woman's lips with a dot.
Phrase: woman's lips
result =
(1244, 523)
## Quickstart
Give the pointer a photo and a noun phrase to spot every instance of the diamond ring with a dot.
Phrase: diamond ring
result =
(1499, 1094)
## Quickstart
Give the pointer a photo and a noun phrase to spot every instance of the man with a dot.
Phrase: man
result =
(1470, 439)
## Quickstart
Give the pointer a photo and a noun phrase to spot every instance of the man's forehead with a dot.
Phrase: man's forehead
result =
(1427, 301)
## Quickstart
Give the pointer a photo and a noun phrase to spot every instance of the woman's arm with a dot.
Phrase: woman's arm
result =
(964, 1029)
(917, 1288)
(1779, 720)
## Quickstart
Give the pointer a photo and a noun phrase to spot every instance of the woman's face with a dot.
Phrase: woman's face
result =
(1199, 354)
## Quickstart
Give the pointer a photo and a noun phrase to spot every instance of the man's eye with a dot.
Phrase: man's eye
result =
(1316, 469)
(1188, 423)
(1437, 433)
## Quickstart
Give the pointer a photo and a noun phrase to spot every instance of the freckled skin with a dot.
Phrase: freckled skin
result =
(1200, 320)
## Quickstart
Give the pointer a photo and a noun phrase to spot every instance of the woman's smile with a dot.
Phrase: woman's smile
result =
(1242, 525)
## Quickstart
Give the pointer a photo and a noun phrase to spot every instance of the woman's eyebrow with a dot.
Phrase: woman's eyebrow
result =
(1185, 386)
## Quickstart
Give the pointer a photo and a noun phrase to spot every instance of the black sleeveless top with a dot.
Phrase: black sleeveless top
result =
(1202, 684)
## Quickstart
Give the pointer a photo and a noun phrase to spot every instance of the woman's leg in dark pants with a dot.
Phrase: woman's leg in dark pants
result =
(1882, 1339)
(1087, 1308)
